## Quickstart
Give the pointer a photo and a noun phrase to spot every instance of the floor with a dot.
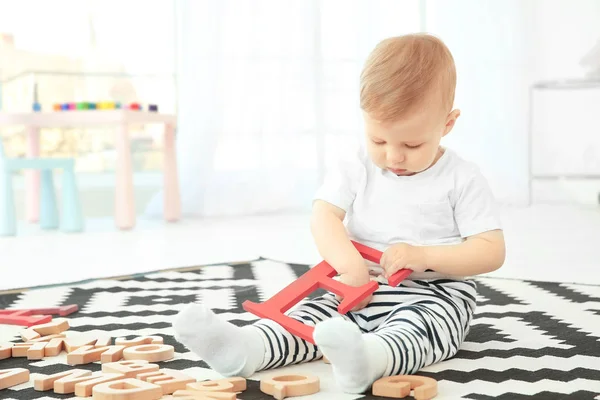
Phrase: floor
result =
(550, 243)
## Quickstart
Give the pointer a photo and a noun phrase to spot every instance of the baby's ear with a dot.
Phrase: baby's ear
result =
(450, 121)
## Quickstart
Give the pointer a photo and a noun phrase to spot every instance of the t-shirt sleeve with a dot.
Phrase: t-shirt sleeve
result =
(342, 180)
(475, 208)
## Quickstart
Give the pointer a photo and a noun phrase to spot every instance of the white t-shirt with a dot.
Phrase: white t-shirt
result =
(441, 205)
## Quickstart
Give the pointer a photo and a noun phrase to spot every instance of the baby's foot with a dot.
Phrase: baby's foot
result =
(357, 361)
(226, 348)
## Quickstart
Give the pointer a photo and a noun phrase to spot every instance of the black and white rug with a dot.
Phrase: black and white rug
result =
(530, 340)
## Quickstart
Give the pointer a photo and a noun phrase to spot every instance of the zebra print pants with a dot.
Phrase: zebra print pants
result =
(421, 323)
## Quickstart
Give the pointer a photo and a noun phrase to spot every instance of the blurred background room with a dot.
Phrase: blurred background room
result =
(265, 94)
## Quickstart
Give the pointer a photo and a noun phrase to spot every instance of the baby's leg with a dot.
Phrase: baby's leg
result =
(357, 359)
(281, 347)
(427, 325)
(241, 351)
(429, 330)
(228, 349)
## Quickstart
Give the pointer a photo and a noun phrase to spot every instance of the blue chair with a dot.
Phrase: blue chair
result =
(71, 216)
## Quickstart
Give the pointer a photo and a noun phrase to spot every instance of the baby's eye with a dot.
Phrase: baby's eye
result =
(414, 146)
(378, 141)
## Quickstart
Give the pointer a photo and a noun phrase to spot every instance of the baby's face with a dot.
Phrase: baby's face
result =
(409, 145)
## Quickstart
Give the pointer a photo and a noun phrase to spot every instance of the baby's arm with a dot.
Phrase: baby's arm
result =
(335, 247)
(478, 254)
(331, 239)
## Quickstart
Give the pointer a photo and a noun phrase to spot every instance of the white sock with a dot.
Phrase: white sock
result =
(228, 349)
(357, 360)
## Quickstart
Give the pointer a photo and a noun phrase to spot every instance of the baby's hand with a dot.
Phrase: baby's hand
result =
(402, 255)
(357, 277)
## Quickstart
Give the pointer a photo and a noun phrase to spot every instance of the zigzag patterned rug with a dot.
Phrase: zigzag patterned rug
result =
(530, 340)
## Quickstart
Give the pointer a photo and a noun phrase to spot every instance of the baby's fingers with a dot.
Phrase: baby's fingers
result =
(395, 267)
(383, 259)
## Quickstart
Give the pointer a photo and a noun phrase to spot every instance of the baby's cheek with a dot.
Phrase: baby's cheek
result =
(419, 161)
(375, 155)
(379, 159)
(427, 159)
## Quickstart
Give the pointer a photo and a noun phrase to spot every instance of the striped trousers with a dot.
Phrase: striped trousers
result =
(421, 322)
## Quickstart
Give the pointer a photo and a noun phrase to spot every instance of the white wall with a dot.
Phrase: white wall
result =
(566, 123)
(500, 48)
(563, 32)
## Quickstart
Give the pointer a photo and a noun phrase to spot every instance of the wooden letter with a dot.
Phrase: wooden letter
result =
(20, 349)
(37, 351)
(74, 343)
(59, 325)
(48, 338)
(130, 368)
(88, 354)
(195, 395)
(137, 341)
(149, 352)
(13, 377)
(41, 382)
(399, 386)
(29, 334)
(169, 380)
(53, 347)
(127, 389)
(282, 386)
(234, 384)
(71, 384)
(6, 351)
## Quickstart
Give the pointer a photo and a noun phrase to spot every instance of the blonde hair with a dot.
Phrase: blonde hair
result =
(404, 71)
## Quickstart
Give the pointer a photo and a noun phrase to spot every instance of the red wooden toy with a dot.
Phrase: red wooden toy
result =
(320, 276)
(22, 317)
(34, 316)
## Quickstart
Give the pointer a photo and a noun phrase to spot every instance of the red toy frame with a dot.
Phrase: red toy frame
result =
(320, 276)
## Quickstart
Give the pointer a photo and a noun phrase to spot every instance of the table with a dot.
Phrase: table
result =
(121, 119)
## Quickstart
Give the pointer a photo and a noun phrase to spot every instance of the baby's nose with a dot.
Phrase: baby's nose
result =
(396, 159)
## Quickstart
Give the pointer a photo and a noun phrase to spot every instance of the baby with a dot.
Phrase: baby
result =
(422, 205)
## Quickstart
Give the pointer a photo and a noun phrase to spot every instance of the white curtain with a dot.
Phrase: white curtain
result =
(268, 92)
